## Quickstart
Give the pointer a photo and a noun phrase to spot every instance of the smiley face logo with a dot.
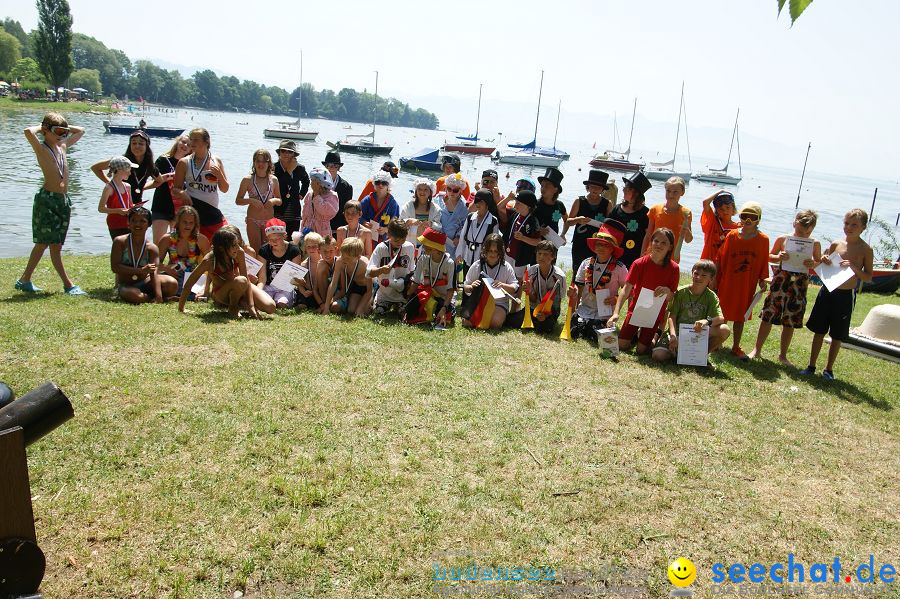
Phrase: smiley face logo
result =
(682, 572)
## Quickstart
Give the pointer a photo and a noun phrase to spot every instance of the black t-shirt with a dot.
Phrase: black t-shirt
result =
(549, 215)
(293, 187)
(524, 253)
(274, 263)
(138, 178)
(636, 224)
(344, 192)
(162, 195)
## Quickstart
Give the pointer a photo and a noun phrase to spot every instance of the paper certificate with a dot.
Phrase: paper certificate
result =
(604, 310)
(647, 308)
(200, 286)
(594, 223)
(608, 341)
(756, 297)
(799, 249)
(253, 265)
(693, 347)
(554, 238)
(494, 291)
(834, 275)
(288, 271)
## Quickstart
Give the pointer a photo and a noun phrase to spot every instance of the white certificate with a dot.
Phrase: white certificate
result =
(799, 249)
(693, 347)
(253, 265)
(554, 238)
(647, 308)
(604, 310)
(594, 223)
(495, 291)
(756, 297)
(200, 286)
(834, 275)
(608, 341)
(288, 271)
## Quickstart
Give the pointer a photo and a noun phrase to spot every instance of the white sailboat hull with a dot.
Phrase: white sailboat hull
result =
(717, 178)
(290, 133)
(530, 160)
(661, 174)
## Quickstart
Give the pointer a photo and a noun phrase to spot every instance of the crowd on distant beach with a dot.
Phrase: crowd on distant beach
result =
(452, 251)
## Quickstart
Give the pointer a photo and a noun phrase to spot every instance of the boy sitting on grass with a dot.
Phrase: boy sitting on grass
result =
(390, 267)
(695, 304)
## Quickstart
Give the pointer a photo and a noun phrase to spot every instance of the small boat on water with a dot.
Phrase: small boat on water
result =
(293, 130)
(425, 159)
(529, 157)
(619, 161)
(661, 171)
(469, 144)
(151, 131)
(720, 175)
(361, 144)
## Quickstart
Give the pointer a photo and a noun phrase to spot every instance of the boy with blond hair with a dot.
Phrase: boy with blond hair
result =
(832, 310)
(52, 207)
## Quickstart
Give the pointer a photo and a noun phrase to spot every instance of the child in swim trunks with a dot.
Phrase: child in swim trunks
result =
(324, 271)
(355, 295)
(52, 207)
(786, 302)
(312, 242)
(135, 262)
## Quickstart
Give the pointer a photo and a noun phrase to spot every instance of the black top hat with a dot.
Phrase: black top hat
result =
(528, 198)
(596, 177)
(451, 158)
(287, 145)
(332, 158)
(554, 175)
(639, 181)
(489, 173)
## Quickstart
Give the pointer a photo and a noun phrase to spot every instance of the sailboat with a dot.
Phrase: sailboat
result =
(554, 152)
(720, 175)
(469, 144)
(528, 156)
(361, 144)
(293, 130)
(664, 170)
(619, 161)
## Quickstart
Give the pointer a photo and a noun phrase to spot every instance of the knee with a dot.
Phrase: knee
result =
(241, 281)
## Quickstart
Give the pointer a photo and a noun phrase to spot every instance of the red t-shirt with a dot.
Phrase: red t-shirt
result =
(644, 272)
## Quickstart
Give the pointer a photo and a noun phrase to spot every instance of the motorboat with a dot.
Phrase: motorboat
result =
(169, 132)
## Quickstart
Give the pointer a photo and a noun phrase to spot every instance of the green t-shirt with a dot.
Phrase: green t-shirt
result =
(687, 308)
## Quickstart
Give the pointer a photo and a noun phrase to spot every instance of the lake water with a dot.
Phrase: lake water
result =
(775, 188)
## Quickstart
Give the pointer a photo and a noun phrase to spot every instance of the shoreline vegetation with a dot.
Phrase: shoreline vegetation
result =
(309, 455)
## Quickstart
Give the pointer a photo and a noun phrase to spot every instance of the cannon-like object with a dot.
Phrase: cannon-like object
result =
(22, 422)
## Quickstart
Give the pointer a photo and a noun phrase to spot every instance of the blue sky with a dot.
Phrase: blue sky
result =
(828, 79)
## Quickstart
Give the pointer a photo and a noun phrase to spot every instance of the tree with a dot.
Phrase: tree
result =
(88, 79)
(14, 28)
(148, 80)
(53, 44)
(10, 51)
(209, 88)
(796, 8)
(26, 69)
(114, 66)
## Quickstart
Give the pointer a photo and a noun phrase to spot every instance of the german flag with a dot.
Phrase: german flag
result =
(478, 308)
(546, 305)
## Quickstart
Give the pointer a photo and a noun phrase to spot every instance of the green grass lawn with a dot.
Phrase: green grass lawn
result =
(8, 103)
(310, 456)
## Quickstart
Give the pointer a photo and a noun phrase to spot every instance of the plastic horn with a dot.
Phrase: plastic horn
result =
(526, 322)
(567, 327)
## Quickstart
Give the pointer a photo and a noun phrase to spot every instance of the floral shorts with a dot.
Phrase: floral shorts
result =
(50, 217)
(786, 302)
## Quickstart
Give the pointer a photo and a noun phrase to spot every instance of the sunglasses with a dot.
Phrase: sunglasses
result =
(453, 190)
(751, 217)
(60, 131)
(380, 183)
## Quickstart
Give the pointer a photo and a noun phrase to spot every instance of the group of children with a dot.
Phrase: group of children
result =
(495, 268)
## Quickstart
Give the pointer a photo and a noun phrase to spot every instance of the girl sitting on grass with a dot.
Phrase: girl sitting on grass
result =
(185, 246)
(226, 273)
(479, 309)
(135, 261)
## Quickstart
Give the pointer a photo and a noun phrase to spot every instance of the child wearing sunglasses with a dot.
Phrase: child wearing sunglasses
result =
(52, 207)
(743, 264)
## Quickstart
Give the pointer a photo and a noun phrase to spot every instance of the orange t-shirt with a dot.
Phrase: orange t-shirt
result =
(742, 263)
(658, 217)
(367, 190)
(714, 233)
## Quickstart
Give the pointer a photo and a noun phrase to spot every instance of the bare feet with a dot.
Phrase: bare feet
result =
(234, 311)
(754, 354)
(785, 361)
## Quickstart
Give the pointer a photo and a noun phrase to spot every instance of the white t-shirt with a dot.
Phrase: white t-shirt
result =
(428, 271)
(473, 234)
(587, 307)
(502, 272)
(540, 285)
(391, 283)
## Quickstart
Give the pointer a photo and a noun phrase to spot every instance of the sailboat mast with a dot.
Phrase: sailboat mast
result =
(633, 114)
(478, 118)
(300, 93)
(375, 107)
(678, 129)
(733, 135)
(558, 110)
(537, 117)
(737, 135)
